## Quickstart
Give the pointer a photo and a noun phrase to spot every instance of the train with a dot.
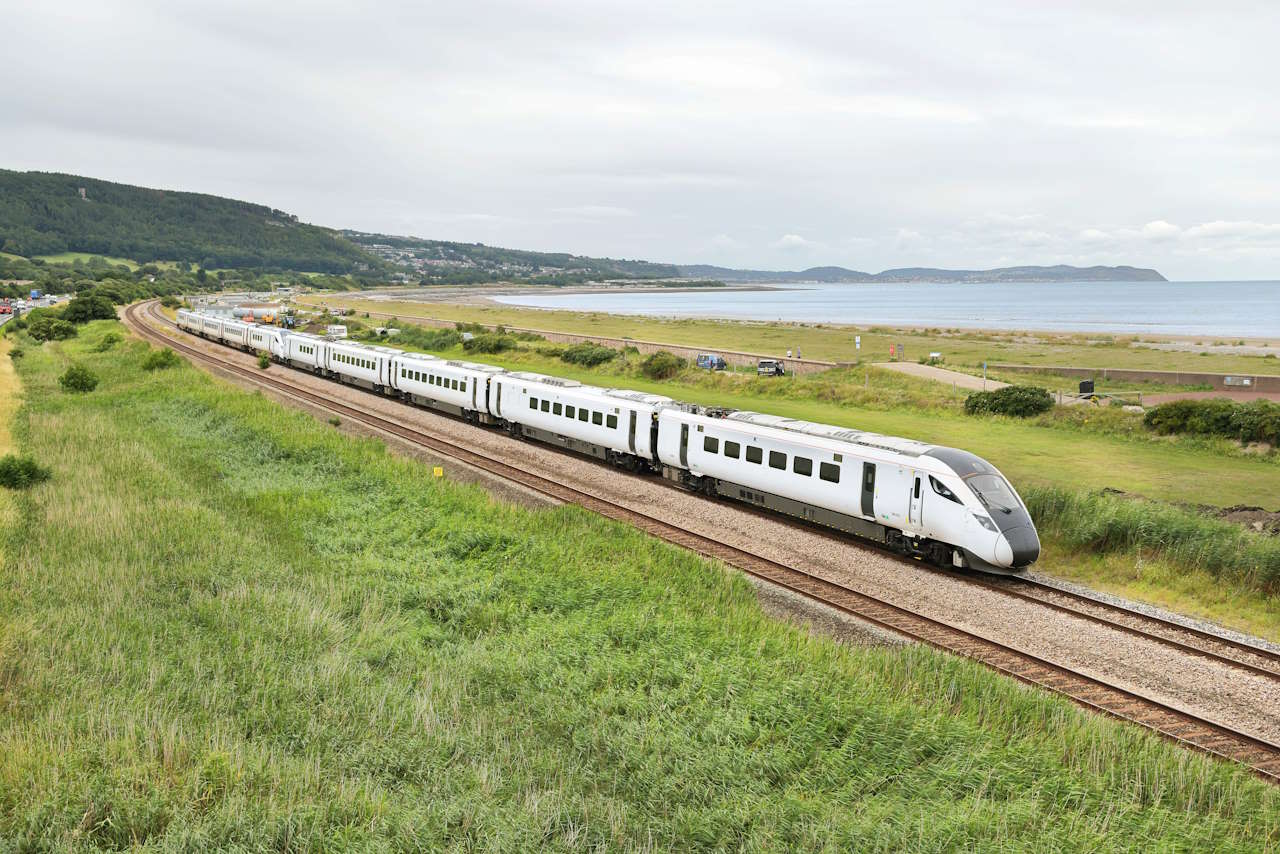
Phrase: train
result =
(939, 504)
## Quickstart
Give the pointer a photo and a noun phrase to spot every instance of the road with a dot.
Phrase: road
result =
(931, 372)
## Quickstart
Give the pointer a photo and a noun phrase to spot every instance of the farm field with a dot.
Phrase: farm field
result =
(72, 257)
(961, 349)
(240, 627)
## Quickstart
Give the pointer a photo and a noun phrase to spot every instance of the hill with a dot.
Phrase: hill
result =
(1058, 273)
(45, 213)
(446, 262)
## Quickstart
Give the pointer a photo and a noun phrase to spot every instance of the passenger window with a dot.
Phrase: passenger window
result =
(829, 472)
(584, 415)
(597, 419)
(777, 460)
(556, 409)
(710, 444)
(731, 449)
(568, 412)
(546, 406)
(802, 465)
(754, 454)
(611, 421)
(533, 403)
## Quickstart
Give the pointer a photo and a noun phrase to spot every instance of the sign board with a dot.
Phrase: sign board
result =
(857, 342)
(1237, 381)
(891, 351)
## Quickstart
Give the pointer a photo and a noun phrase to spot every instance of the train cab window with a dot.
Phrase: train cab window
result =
(611, 422)
(731, 449)
(546, 406)
(568, 411)
(777, 460)
(802, 465)
(754, 454)
(829, 472)
(533, 403)
(941, 488)
(557, 409)
(711, 444)
(597, 419)
(584, 415)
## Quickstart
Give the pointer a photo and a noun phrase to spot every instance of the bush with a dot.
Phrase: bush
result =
(662, 365)
(170, 301)
(588, 355)
(1018, 401)
(16, 353)
(51, 329)
(489, 342)
(86, 307)
(108, 341)
(20, 472)
(264, 360)
(158, 360)
(78, 379)
(1256, 421)
(428, 339)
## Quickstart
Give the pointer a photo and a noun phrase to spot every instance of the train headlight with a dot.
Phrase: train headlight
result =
(986, 523)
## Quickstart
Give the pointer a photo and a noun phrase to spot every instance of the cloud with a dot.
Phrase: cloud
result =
(791, 242)
(594, 211)
(1160, 230)
(724, 241)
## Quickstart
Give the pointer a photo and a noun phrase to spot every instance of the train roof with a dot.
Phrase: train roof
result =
(894, 444)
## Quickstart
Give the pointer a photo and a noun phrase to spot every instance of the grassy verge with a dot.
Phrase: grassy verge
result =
(961, 348)
(10, 400)
(237, 627)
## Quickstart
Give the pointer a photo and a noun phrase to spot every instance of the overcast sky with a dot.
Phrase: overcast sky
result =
(776, 135)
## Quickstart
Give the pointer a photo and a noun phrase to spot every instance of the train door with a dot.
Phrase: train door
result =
(917, 498)
(869, 489)
(631, 432)
(497, 398)
(684, 445)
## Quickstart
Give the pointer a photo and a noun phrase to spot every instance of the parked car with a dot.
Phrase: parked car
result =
(712, 362)
(770, 368)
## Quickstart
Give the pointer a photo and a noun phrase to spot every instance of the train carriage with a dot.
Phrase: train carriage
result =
(267, 339)
(900, 492)
(211, 327)
(457, 387)
(306, 351)
(188, 320)
(616, 425)
(360, 364)
(236, 333)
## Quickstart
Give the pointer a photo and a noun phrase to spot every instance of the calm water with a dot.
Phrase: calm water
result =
(1241, 309)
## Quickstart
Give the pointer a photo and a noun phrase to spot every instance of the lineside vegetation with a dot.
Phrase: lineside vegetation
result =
(238, 627)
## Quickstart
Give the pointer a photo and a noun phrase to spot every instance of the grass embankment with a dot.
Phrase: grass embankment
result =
(225, 623)
(962, 349)
(10, 400)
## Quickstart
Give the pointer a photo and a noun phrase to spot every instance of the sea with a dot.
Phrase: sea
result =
(1232, 309)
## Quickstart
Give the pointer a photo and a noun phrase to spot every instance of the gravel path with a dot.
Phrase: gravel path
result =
(1230, 696)
(967, 382)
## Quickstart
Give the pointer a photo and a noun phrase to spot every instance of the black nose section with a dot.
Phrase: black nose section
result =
(1025, 544)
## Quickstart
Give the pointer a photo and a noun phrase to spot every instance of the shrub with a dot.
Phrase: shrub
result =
(335, 421)
(20, 472)
(170, 301)
(1018, 401)
(662, 365)
(264, 360)
(86, 307)
(78, 379)
(158, 360)
(51, 329)
(489, 342)
(1256, 421)
(588, 355)
(108, 341)
(551, 351)
(15, 353)
(428, 339)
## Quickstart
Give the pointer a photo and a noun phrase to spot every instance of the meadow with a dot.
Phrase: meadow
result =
(225, 623)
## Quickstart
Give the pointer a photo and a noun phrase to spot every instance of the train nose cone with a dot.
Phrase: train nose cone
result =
(1024, 544)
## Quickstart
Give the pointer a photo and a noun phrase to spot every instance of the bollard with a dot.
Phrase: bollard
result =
(438, 471)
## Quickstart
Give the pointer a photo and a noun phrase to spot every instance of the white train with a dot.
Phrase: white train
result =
(937, 503)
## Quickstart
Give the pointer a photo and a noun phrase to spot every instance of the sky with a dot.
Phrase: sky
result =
(748, 134)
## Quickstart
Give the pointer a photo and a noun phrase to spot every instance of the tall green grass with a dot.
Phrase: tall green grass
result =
(1107, 523)
(222, 624)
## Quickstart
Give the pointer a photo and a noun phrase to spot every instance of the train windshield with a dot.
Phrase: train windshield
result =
(993, 492)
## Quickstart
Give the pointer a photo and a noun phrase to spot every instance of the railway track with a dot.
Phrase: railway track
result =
(1180, 725)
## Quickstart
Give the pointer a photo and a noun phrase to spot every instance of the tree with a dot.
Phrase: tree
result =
(86, 307)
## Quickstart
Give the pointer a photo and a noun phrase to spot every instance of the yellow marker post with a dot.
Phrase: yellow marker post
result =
(438, 471)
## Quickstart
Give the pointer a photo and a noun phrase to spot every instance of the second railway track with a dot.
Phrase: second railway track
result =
(1181, 725)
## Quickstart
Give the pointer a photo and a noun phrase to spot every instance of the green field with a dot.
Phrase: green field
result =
(239, 628)
(965, 350)
(73, 257)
